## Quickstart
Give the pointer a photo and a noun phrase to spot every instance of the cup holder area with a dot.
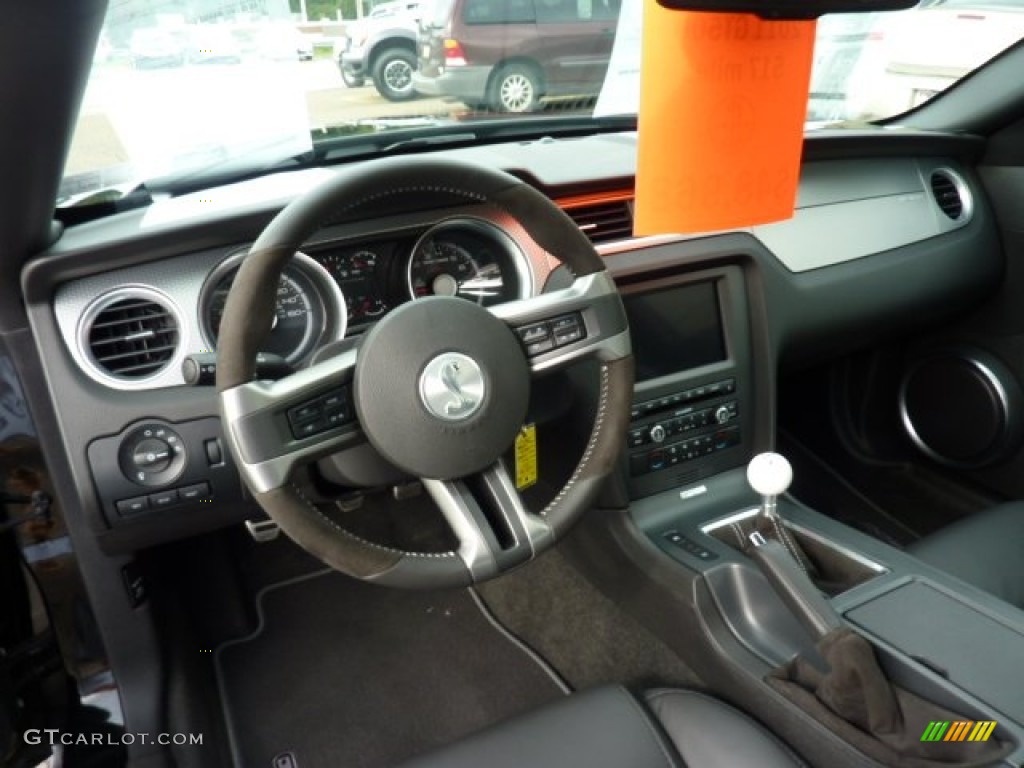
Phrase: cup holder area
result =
(832, 567)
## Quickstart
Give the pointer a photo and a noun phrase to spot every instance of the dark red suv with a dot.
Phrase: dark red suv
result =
(508, 55)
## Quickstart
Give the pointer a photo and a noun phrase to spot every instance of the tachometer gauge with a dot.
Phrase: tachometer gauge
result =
(469, 258)
(292, 324)
(308, 309)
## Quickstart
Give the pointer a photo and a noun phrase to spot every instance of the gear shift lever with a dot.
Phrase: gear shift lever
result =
(770, 474)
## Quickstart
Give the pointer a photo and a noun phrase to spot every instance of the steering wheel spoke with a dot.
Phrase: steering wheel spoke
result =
(276, 426)
(487, 516)
(585, 320)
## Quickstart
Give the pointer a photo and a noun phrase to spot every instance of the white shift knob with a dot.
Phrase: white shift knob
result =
(769, 474)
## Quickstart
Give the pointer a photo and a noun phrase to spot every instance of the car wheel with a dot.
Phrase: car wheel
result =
(353, 81)
(392, 74)
(516, 88)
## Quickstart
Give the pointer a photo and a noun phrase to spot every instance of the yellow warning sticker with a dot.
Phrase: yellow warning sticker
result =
(526, 457)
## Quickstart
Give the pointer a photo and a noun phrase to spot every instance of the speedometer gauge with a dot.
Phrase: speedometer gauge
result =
(440, 267)
(469, 258)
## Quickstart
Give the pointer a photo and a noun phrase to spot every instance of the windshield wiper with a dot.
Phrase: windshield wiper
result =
(102, 202)
(448, 135)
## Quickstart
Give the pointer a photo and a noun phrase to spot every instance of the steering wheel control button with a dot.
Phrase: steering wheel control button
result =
(452, 386)
(531, 334)
(540, 347)
(335, 401)
(568, 329)
(306, 412)
(441, 387)
(152, 455)
(320, 414)
(563, 330)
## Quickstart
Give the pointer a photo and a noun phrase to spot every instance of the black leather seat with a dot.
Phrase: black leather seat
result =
(986, 550)
(609, 728)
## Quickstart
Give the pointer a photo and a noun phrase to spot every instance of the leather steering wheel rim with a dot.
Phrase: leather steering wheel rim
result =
(254, 411)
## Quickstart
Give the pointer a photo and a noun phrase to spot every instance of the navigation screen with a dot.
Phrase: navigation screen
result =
(674, 329)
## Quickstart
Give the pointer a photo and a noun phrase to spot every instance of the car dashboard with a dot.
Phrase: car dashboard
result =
(896, 221)
(339, 285)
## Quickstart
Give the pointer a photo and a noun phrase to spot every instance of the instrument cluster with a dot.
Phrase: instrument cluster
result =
(362, 281)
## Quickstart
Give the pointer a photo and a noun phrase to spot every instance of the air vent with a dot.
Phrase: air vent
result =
(604, 221)
(946, 188)
(131, 335)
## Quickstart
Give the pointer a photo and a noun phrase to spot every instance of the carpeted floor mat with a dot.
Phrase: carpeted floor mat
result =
(348, 675)
(583, 634)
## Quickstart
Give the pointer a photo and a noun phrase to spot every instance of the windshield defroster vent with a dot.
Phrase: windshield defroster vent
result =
(603, 221)
(948, 191)
(130, 334)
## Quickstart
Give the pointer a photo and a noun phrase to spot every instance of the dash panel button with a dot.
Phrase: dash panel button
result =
(162, 499)
(133, 506)
(196, 492)
(689, 546)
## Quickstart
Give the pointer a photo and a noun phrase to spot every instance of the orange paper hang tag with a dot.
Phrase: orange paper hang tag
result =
(723, 100)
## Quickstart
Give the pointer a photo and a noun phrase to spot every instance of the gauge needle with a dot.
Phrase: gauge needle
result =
(481, 286)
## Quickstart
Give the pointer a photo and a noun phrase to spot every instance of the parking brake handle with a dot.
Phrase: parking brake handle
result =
(793, 585)
(770, 475)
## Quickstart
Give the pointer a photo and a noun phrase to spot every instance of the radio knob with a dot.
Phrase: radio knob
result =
(722, 414)
(658, 434)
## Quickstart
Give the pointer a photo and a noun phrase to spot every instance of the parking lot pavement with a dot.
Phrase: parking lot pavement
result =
(125, 110)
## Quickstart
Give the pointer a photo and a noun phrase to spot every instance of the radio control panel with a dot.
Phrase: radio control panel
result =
(693, 412)
(680, 436)
(682, 427)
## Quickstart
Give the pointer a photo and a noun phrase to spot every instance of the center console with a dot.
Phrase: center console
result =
(692, 408)
(940, 639)
(701, 411)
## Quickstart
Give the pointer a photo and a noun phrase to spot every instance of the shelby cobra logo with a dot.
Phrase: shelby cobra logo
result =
(452, 386)
(460, 402)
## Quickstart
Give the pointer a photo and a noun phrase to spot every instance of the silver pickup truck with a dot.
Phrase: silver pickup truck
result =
(382, 46)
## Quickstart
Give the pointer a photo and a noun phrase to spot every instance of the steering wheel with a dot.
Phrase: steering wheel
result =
(439, 386)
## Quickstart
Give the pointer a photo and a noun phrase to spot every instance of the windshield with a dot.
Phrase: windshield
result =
(194, 89)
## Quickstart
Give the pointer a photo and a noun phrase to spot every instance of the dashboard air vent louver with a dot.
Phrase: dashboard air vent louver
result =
(946, 191)
(132, 336)
(602, 222)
